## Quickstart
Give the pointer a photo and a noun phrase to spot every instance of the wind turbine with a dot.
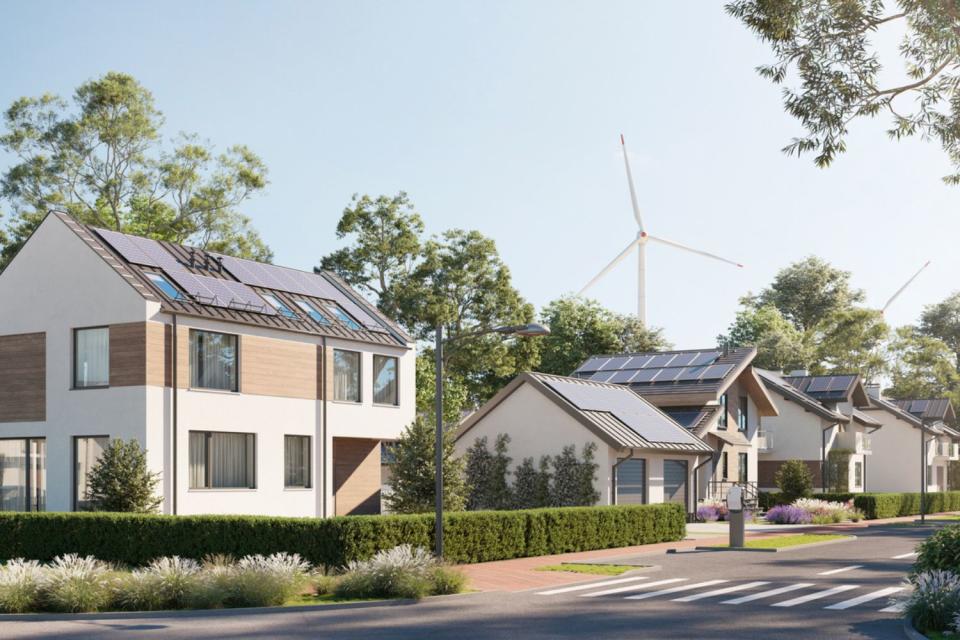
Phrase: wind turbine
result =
(905, 285)
(640, 244)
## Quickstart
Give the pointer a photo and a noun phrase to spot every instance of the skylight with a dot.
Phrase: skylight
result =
(308, 308)
(343, 317)
(164, 285)
(278, 305)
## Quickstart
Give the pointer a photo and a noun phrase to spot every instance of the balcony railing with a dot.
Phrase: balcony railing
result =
(864, 443)
(764, 440)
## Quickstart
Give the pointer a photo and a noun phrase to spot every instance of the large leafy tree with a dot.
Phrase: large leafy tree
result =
(780, 345)
(942, 321)
(101, 158)
(852, 340)
(922, 366)
(826, 55)
(580, 328)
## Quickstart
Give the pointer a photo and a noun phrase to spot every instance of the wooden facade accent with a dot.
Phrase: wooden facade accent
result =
(282, 368)
(23, 377)
(356, 476)
(128, 354)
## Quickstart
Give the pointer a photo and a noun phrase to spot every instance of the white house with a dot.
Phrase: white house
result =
(714, 393)
(644, 456)
(818, 415)
(255, 389)
(897, 454)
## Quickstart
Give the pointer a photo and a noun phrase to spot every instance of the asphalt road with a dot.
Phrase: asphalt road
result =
(581, 613)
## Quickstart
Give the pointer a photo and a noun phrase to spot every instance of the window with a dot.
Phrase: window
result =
(343, 317)
(296, 462)
(724, 465)
(278, 305)
(86, 453)
(222, 460)
(742, 413)
(632, 481)
(164, 285)
(385, 380)
(213, 360)
(91, 358)
(311, 311)
(929, 475)
(23, 474)
(742, 468)
(858, 475)
(346, 375)
(722, 420)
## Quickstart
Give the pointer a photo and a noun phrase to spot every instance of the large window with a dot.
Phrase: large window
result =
(632, 481)
(296, 462)
(221, 460)
(722, 420)
(213, 360)
(742, 413)
(385, 380)
(742, 467)
(86, 453)
(346, 375)
(23, 474)
(91, 357)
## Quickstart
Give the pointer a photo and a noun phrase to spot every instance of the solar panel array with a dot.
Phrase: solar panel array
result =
(143, 251)
(221, 293)
(627, 407)
(823, 387)
(686, 366)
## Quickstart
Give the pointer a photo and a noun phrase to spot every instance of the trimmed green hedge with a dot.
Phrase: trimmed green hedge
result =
(476, 536)
(891, 505)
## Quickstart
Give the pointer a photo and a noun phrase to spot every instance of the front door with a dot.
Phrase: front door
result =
(675, 481)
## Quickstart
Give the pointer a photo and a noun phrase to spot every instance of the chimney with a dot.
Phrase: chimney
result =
(799, 373)
(873, 390)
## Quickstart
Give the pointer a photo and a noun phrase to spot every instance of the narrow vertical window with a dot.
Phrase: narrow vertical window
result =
(725, 465)
(858, 475)
(213, 360)
(742, 468)
(296, 462)
(742, 413)
(86, 453)
(346, 375)
(385, 380)
(722, 420)
(91, 357)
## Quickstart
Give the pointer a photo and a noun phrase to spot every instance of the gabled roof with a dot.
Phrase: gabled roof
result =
(779, 385)
(891, 408)
(178, 263)
(865, 420)
(832, 388)
(614, 413)
(933, 408)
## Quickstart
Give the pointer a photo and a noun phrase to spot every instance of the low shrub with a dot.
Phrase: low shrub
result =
(891, 505)
(74, 584)
(935, 601)
(713, 511)
(402, 572)
(166, 583)
(941, 551)
(788, 514)
(20, 583)
(267, 581)
(446, 580)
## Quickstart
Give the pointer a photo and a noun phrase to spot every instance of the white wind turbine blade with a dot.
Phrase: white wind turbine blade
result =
(623, 254)
(677, 245)
(633, 192)
(905, 285)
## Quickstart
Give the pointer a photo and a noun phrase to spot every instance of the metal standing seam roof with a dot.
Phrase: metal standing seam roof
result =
(940, 408)
(906, 416)
(777, 383)
(135, 275)
(865, 419)
(836, 388)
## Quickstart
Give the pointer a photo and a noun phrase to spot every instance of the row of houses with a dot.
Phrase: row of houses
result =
(260, 389)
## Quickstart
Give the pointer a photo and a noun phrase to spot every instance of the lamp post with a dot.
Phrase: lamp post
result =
(522, 330)
(924, 422)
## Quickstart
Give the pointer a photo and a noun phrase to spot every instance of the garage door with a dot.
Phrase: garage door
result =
(632, 481)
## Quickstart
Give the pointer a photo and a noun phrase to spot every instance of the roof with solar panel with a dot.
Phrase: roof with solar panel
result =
(930, 408)
(201, 283)
(831, 388)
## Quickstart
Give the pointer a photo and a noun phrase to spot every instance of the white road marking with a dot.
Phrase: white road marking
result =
(720, 592)
(768, 594)
(685, 587)
(894, 608)
(816, 595)
(904, 555)
(592, 585)
(632, 587)
(852, 602)
(840, 570)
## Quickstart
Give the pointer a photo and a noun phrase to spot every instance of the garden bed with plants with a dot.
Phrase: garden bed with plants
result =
(74, 584)
(813, 511)
(933, 606)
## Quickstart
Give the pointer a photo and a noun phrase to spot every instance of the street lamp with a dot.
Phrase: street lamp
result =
(524, 331)
(924, 422)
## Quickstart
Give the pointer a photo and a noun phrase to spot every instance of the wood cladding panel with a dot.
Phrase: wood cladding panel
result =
(128, 354)
(356, 476)
(23, 377)
(281, 368)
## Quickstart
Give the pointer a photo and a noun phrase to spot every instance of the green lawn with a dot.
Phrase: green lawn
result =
(792, 541)
(595, 569)
(327, 598)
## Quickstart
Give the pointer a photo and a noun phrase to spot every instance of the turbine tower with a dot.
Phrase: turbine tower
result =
(640, 244)
(905, 285)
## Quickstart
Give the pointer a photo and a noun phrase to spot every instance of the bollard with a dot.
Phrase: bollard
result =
(735, 510)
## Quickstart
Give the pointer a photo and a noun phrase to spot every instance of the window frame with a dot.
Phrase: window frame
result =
(858, 474)
(343, 317)
(279, 305)
(151, 275)
(309, 474)
(208, 467)
(743, 414)
(743, 467)
(309, 308)
(724, 465)
(31, 502)
(359, 399)
(724, 416)
(373, 383)
(73, 473)
(74, 359)
(191, 361)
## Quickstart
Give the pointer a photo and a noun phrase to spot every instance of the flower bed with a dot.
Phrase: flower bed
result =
(813, 511)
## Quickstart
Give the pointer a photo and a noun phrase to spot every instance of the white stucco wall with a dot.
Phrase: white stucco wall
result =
(895, 462)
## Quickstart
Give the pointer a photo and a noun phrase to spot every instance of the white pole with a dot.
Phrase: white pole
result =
(642, 281)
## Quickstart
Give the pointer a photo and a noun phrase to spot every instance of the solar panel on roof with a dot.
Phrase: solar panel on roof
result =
(592, 364)
(839, 383)
(638, 362)
(691, 373)
(661, 360)
(819, 385)
(615, 363)
(645, 375)
(623, 376)
(683, 359)
(704, 357)
(142, 251)
(220, 293)
(716, 371)
(668, 374)
(602, 376)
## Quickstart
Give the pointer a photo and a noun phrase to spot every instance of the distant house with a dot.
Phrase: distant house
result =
(644, 456)
(898, 451)
(714, 393)
(819, 416)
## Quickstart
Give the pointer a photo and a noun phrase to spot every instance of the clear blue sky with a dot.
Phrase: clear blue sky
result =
(504, 117)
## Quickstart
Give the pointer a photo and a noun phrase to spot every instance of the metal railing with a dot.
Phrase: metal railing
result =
(718, 489)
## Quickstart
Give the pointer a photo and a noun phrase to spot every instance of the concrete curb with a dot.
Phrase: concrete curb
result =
(910, 631)
(810, 545)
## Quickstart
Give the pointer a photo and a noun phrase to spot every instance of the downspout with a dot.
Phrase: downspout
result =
(614, 468)
(696, 476)
(323, 428)
(823, 456)
(173, 380)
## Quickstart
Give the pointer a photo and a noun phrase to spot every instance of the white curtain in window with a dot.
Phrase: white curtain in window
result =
(231, 460)
(198, 460)
(296, 461)
(92, 357)
(346, 375)
(384, 380)
(213, 360)
(89, 451)
(13, 475)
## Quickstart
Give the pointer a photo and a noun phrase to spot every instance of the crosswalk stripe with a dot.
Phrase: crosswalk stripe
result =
(720, 592)
(632, 587)
(852, 602)
(815, 596)
(592, 585)
(894, 608)
(684, 587)
(840, 570)
(769, 594)
(904, 555)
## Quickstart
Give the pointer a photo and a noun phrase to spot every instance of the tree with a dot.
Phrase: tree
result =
(828, 48)
(942, 321)
(103, 162)
(385, 236)
(851, 340)
(486, 475)
(455, 395)
(531, 485)
(921, 366)
(794, 481)
(414, 488)
(580, 328)
(573, 478)
(121, 481)
(780, 345)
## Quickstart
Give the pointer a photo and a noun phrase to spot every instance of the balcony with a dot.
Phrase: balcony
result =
(864, 443)
(764, 440)
(954, 451)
